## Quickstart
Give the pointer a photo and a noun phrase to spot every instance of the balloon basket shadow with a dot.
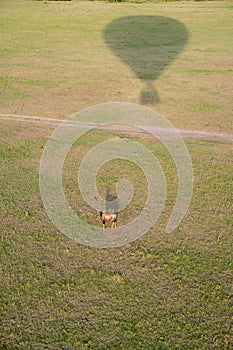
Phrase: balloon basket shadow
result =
(149, 97)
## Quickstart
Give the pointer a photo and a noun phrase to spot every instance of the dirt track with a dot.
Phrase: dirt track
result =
(187, 134)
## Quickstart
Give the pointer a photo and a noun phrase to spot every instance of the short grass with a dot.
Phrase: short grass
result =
(164, 291)
(65, 56)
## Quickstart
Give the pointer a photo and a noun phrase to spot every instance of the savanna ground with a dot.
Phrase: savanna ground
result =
(165, 290)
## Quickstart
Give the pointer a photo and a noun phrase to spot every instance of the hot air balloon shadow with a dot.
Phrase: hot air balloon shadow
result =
(147, 44)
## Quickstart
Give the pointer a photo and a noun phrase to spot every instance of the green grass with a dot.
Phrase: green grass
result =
(163, 291)
(205, 107)
(62, 52)
(14, 87)
(5, 81)
(208, 91)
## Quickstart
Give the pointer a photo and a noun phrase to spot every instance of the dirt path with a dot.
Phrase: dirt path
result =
(187, 134)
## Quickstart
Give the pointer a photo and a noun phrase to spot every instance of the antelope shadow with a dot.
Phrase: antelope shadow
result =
(111, 202)
(147, 44)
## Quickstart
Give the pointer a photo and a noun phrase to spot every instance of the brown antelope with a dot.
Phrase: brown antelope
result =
(108, 217)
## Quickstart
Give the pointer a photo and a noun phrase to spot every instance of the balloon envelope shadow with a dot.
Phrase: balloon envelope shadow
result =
(147, 44)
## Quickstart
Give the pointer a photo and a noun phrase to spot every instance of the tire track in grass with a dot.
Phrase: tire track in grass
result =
(187, 134)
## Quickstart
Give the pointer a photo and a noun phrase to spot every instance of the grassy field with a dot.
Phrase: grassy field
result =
(60, 52)
(164, 291)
